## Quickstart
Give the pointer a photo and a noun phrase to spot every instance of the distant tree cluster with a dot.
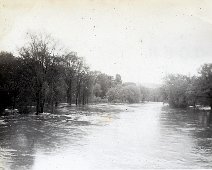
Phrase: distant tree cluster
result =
(182, 91)
(121, 93)
(131, 93)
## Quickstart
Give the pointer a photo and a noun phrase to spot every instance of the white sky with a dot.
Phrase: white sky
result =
(176, 35)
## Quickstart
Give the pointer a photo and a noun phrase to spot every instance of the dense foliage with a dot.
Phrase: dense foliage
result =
(43, 75)
(183, 91)
(132, 93)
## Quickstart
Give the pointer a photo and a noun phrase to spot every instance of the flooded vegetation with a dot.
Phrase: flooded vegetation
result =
(93, 85)
(104, 136)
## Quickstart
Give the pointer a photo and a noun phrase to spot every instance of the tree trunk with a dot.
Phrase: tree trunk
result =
(41, 108)
(78, 93)
(83, 98)
(69, 95)
(77, 96)
(37, 104)
(76, 100)
(52, 98)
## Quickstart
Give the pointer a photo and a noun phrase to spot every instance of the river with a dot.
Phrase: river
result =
(105, 136)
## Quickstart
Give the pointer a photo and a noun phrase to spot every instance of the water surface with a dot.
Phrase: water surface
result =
(107, 137)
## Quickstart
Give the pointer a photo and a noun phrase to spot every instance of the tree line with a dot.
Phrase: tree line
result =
(43, 75)
(183, 91)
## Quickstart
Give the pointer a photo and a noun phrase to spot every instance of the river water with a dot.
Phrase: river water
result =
(105, 136)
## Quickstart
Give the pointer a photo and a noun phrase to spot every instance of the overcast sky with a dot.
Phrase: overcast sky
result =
(140, 39)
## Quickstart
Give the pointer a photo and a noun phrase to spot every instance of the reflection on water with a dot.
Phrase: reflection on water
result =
(107, 137)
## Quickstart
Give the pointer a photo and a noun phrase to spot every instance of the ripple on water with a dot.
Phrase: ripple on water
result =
(108, 136)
